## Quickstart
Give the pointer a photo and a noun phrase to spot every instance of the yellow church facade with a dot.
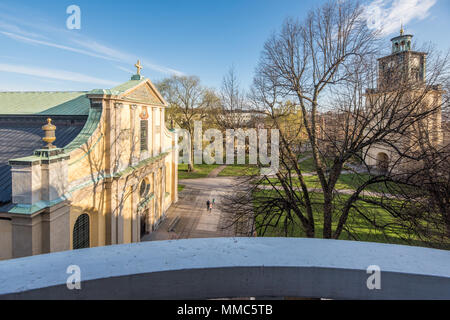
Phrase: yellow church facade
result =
(111, 184)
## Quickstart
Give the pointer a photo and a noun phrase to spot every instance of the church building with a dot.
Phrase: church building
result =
(402, 83)
(84, 169)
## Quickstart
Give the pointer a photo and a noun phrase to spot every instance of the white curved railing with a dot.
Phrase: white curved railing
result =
(232, 267)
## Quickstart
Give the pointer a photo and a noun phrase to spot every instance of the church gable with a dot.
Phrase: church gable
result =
(144, 93)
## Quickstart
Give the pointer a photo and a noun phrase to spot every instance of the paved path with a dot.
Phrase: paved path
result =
(214, 173)
(195, 221)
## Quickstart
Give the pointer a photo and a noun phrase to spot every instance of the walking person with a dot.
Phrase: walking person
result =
(208, 205)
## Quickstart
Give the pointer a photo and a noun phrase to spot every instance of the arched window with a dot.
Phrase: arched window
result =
(81, 237)
(415, 74)
(382, 162)
(144, 189)
(144, 222)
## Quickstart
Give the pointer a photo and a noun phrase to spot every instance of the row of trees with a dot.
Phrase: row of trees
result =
(327, 62)
(189, 101)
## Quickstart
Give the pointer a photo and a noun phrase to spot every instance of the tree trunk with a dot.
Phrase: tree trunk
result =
(191, 163)
(327, 213)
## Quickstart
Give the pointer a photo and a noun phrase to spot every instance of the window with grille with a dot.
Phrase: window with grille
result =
(144, 135)
(81, 232)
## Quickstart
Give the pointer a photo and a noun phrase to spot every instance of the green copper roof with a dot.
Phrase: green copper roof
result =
(104, 92)
(90, 126)
(57, 103)
(128, 85)
(44, 103)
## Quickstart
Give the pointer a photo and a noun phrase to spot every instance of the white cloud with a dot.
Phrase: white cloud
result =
(15, 29)
(54, 45)
(103, 50)
(147, 64)
(125, 69)
(55, 74)
(388, 15)
(123, 57)
(68, 41)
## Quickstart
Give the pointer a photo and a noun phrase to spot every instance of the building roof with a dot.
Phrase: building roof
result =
(26, 140)
(124, 87)
(35, 106)
(44, 103)
(53, 103)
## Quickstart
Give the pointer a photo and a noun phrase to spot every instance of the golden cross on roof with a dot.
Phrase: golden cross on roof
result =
(401, 30)
(139, 67)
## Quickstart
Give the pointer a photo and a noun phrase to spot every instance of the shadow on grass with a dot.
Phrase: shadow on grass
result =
(357, 228)
(200, 171)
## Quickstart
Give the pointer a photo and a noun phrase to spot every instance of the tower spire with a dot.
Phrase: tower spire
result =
(402, 31)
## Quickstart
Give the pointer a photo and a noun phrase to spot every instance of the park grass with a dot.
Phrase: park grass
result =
(353, 181)
(239, 170)
(203, 170)
(360, 229)
(200, 171)
(181, 187)
(345, 182)
(307, 165)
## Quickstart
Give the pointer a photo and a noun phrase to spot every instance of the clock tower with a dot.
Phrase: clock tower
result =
(402, 85)
(402, 65)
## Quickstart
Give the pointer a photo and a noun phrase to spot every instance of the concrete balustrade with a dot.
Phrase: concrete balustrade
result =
(232, 267)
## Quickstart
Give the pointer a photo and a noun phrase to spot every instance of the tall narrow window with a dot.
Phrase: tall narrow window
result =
(81, 232)
(144, 189)
(167, 184)
(144, 135)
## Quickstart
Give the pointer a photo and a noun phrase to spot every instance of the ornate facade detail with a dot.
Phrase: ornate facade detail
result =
(144, 94)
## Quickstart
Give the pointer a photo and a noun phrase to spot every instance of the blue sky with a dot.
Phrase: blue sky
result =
(197, 37)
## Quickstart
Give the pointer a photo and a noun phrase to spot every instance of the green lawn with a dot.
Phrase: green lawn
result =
(345, 182)
(353, 181)
(200, 171)
(307, 165)
(181, 187)
(361, 229)
(239, 170)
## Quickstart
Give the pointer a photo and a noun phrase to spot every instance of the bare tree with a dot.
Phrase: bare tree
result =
(423, 187)
(327, 63)
(232, 111)
(188, 101)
